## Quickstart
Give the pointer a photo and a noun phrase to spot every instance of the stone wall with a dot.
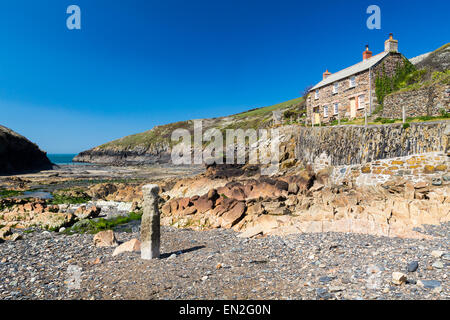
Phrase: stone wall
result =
(352, 144)
(427, 101)
(430, 167)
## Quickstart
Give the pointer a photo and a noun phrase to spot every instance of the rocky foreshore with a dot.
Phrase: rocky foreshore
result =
(228, 233)
(217, 264)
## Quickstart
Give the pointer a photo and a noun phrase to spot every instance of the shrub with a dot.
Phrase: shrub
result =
(444, 113)
(384, 120)
(385, 85)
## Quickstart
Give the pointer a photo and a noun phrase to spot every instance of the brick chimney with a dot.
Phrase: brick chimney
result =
(391, 45)
(367, 54)
(326, 74)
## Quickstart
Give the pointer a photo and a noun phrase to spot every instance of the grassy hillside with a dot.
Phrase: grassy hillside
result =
(160, 135)
(438, 60)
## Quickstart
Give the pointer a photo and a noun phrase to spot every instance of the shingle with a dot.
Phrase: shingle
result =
(359, 67)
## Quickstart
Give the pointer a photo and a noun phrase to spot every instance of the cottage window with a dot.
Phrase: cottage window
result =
(335, 88)
(325, 111)
(336, 108)
(361, 102)
(316, 96)
(352, 82)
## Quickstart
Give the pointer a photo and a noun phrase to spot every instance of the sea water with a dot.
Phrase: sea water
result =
(60, 158)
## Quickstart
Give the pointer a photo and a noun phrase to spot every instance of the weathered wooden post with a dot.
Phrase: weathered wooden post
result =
(150, 225)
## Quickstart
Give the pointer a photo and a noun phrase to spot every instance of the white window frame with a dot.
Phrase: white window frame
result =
(361, 103)
(352, 82)
(335, 88)
(336, 108)
(316, 94)
(325, 111)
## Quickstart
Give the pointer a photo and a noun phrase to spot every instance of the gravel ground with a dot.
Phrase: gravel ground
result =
(218, 265)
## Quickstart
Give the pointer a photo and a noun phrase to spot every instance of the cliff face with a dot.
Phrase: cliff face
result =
(120, 156)
(18, 154)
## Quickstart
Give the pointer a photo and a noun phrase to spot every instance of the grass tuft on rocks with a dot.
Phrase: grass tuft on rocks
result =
(94, 226)
(5, 193)
(64, 199)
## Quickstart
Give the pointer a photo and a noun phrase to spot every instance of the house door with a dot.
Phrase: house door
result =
(316, 115)
(352, 108)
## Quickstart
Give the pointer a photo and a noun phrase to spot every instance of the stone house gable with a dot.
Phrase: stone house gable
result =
(350, 93)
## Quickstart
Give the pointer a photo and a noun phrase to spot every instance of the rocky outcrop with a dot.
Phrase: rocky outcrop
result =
(118, 156)
(26, 213)
(302, 204)
(18, 154)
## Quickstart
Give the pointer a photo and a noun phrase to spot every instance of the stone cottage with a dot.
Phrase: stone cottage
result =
(350, 93)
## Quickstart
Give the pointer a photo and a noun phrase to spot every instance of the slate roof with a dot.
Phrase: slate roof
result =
(359, 67)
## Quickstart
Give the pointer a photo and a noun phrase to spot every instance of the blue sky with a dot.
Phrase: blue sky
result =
(137, 64)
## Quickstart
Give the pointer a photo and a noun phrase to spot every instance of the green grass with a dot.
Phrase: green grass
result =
(4, 193)
(100, 224)
(445, 46)
(159, 134)
(267, 110)
(436, 78)
(379, 121)
(62, 199)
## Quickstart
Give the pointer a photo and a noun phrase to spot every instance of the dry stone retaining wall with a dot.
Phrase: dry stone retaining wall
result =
(427, 101)
(353, 145)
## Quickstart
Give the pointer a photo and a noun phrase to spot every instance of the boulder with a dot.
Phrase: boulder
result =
(293, 188)
(53, 221)
(263, 225)
(105, 239)
(133, 245)
(255, 208)
(102, 190)
(230, 217)
(203, 204)
(86, 213)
